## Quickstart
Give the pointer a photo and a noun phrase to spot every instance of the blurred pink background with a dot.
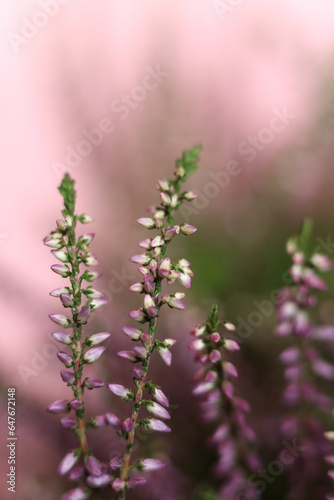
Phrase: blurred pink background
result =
(223, 77)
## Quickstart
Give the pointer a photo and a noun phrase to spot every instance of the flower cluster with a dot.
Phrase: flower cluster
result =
(156, 269)
(80, 301)
(303, 363)
(233, 437)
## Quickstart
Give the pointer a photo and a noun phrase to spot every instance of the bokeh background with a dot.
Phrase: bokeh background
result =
(223, 76)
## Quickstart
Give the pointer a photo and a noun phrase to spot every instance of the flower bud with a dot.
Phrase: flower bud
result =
(68, 463)
(147, 222)
(62, 270)
(187, 229)
(84, 315)
(67, 376)
(157, 410)
(93, 383)
(119, 390)
(62, 337)
(61, 320)
(97, 338)
(158, 425)
(76, 494)
(150, 464)
(97, 303)
(128, 425)
(60, 406)
(93, 354)
(60, 255)
(65, 358)
(66, 300)
(68, 423)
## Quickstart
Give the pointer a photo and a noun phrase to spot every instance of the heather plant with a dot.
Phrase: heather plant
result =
(157, 269)
(233, 438)
(304, 364)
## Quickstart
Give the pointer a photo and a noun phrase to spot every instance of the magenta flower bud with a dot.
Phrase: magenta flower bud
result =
(165, 199)
(90, 260)
(160, 397)
(158, 411)
(119, 390)
(321, 262)
(65, 358)
(97, 303)
(163, 185)
(176, 303)
(196, 345)
(100, 421)
(137, 373)
(141, 259)
(185, 280)
(228, 389)
(189, 196)
(62, 224)
(114, 421)
(115, 463)
(87, 238)
(166, 355)
(128, 425)
(53, 243)
(128, 355)
(61, 269)
(99, 482)
(214, 356)
(84, 315)
(230, 369)
(203, 388)
(93, 354)
(137, 314)
(150, 464)
(76, 494)
(145, 244)
(58, 291)
(290, 355)
(133, 333)
(66, 300)
(76, 404)
(97, 338)
(149, 284)
(62, 337)
(136, 481)
(67, 376)
(140, 351)
(143, 270)
(68, 423)
(93, 466)
(231, 345)
(211, 376)
(187, 229)
(215, 337)
(68, 463)
(60, 406)
(152, 312)
(158, 425)
(118, 484)
(92, 293)
(137, 287)
(61, 320)
(148, 301)
(94, 383)
(76, 473)
(146, 222)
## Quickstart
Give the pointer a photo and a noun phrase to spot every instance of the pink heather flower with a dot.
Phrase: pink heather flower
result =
(84, 315)
(137, 372)
(53, 243)
(118, 484)
(60, 255)
(141, 259)
(176, 303)
(62, 337)
(114, 421)
(136, 287)
(169, 233)
(158, 411)
(93, 466)
(76, 494)
(85, 219)
(158, 425)
(214, 356)
(61, 320)
(231, 345)
(76, 404)
(140, 351)
(196, 345)
(185, 280)
(136, 481)
(133, 333)
(93, 354)
(94, 383)
(145, 243)
(76, 473)
(321, 262)
(157, 242)
(62, 270)
(97, 338)
(187, 229)
(66, 300)
(128, 355)
(92, 293)
(203, 388)
(68, 423)
(166, 355)
(92, 275)
(189, 195)
(87, 238)
(68, 463)
(147, 222)
(67, 376)
(137, 314)
(100, 421)
(128, 425)
(150, 464)
(115, 463)
(60, 406)
(58, 291)
(160, 397)
(65, 358)
(119, 390)
(97, 303)
(98, 482)
(163, 185)
(215, 337)
(90, 260)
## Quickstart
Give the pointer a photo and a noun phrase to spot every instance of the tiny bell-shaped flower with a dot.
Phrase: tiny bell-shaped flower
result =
(66, 300)
(93, 383)
(157, 410)
(187, 229)
(68, 463)
(67, 376)
(119, 390)
(65, 358)
(147, 222)
(62, 337)
(93, 354)
(157, 425)
(60, 406)
(61, 269)
(97, 338)
(61, 320)
(97, 303)
(84, 315)
(68, 423)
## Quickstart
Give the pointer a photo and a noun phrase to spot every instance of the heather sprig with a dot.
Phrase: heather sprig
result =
(80, 301)
(303, 363)
(156, 269)
(233, 438)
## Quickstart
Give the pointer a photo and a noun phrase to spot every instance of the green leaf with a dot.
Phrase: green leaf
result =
(189, 161)
(68, 193)
(305, 236)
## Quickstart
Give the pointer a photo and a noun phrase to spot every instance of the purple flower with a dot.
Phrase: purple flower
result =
(114, 421)
(97, 338)
(160, 397)
(150, 464)
(158, 411)
(67, 376)
(68, 423)
(61, 269)
(68, 463)
(93, 354)
(76, 494)
(60, 406)
(128, 425)
(119, 390)
(98, 482)
(65, 358)
(93, 466)
(61, 320)
(93, 383)
(84, 315)
(62, 337)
